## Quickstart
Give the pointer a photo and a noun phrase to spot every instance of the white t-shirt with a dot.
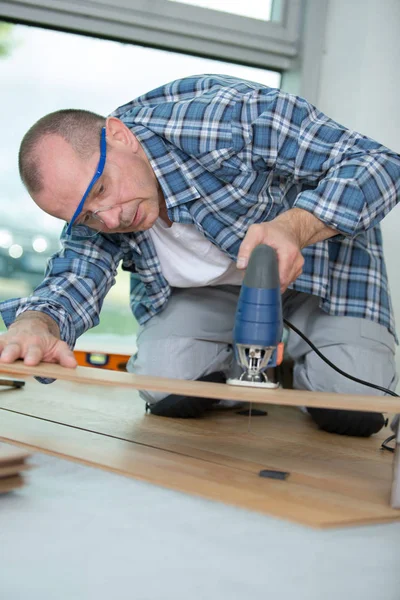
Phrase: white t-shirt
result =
(188, 259)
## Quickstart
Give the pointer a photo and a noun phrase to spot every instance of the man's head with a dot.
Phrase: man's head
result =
(59, 156)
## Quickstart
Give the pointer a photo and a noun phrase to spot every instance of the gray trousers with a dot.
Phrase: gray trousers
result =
(192, 337)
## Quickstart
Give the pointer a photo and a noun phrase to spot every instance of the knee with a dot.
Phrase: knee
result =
(178, 358)
(312, 373)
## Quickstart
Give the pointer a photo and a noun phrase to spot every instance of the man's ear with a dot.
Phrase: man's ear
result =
(118, 133)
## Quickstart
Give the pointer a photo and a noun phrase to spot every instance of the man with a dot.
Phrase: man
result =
(188, 180)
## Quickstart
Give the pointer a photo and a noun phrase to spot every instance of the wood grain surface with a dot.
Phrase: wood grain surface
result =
(204, 389)
(12, 463)
(13, 469)
(334, 481)
(11, 455)
(8, 484)
(395, 498)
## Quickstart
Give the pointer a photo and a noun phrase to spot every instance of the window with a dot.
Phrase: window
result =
(180, 26)
(251, 8)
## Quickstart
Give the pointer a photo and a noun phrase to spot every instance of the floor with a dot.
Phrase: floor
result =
(82, 533)
(219, 531)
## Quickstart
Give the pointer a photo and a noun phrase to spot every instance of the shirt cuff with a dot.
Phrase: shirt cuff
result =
(346, 222)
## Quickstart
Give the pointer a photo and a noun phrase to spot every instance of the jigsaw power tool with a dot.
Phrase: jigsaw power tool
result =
(258, 324)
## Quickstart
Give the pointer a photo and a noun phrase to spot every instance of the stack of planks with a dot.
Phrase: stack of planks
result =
(12, 463)
(396, 471)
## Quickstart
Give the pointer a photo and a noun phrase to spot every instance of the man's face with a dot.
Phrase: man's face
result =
(125, 198)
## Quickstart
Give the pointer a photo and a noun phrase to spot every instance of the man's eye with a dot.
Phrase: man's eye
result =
(101, 189)
(85, 219)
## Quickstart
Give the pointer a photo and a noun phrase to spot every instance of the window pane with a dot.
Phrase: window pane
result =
(255, 9)
(46, 70)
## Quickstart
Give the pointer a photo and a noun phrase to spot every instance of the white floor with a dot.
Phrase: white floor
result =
(77, 533)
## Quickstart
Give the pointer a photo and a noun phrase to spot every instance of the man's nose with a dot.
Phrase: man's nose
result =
(111, 217)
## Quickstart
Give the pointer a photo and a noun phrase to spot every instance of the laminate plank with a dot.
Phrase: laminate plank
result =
(9, 484)
(13, 470)
(283, 499)
(348, 472)
(285, 432)
(11, 454)
(395, 496)
(12, 463)
(205, 389)
(123, 415)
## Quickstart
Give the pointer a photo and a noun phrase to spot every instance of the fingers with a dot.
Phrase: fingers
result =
(35, 350)
(59, 353)
(33, 355)
(10, 352)
(289, 254)
(290, 267)
(64, 356)
(254, 237)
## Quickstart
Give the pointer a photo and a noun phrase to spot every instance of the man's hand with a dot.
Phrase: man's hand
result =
(288, 234)
(35, 337)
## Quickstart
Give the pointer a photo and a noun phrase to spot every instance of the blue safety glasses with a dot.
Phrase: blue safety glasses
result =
(99, 171)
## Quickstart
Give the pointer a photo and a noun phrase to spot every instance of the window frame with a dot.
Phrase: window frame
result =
(173, 26)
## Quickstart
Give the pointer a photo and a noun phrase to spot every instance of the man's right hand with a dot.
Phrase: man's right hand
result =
(35, 337)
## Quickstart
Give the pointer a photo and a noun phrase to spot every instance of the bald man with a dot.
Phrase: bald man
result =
(180, 185)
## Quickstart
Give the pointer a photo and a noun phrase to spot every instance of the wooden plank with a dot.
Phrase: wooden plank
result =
(123, 414)
(14, 469)
(207, 390)
(286, 437)
(11, 454)
(12, 463)
(11, 483)
(395, 498)
(284, 499)
(215, 457)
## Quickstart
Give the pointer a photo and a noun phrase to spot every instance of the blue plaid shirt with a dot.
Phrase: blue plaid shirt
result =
(228, 153)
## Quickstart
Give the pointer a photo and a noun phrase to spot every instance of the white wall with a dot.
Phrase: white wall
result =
(359, 86)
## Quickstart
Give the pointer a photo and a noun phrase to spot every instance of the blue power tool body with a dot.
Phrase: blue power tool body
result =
(258, 325)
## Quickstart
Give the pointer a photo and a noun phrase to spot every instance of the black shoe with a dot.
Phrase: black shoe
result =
(186, 407)
(348, 422)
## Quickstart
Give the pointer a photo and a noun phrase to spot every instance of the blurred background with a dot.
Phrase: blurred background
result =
(98, 54)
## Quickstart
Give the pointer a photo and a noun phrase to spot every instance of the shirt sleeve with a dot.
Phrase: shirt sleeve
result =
(76, 282)
(347, 180)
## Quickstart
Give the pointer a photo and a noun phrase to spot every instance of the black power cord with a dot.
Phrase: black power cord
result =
(356, 379)
(385, 443)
